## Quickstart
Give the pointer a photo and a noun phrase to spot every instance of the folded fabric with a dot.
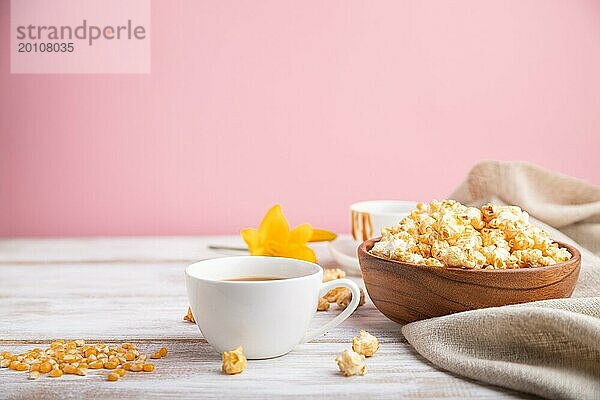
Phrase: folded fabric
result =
(549, 348)
(566, 203)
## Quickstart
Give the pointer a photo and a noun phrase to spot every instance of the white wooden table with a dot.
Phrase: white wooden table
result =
(132, 289)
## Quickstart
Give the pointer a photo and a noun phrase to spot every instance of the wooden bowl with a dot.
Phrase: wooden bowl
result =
(406, 292)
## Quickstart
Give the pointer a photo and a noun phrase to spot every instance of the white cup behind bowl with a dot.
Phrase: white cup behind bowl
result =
(370, 217)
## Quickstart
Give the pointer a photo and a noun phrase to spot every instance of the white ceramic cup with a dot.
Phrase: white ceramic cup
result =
(267, 318)
(368, 218)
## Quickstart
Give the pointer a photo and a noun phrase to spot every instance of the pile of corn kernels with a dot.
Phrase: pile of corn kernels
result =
(76, 357)
(449, 234)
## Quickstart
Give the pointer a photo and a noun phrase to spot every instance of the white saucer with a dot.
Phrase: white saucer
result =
(343, 250)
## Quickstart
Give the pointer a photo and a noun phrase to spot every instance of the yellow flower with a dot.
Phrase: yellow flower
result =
(274, 237)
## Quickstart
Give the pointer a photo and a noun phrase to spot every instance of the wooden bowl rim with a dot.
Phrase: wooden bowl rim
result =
(573, 261)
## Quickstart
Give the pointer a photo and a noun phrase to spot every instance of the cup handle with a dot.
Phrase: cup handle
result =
(326, 287)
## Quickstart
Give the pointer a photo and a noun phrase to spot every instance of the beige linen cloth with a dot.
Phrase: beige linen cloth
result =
(549, 348)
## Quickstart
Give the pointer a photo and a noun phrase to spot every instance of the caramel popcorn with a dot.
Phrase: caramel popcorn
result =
(323, 305)
(365, 344)
(344, 297)
(189, 317)
(330, 274)
(351, 363)
(234, 361)
(448, 234)
(340, 295)
(333, 294)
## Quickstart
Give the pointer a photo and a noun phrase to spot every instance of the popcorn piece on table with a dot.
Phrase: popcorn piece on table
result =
(323, 304)
(351, 363)
(365, 344)
(330, 274)
(189, 316)
(344, 298)
(234, 361)
(333, 294)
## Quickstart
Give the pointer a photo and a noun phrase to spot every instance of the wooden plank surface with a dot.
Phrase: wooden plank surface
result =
(97, 290)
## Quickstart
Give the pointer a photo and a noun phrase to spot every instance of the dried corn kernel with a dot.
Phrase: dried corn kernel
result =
(234, 361)
(113, 376)
(127, 366)
(71, 345)
(155, 355)
(45, 367)
(163, 351)
(365, 344)
(90, 351)
(110, 365)
(56, 373)
(34, 375)
(69, 369)
(136, 367)
(120, 371)
(22, 367)
(351, 363)
(96, 364)
(148, 367)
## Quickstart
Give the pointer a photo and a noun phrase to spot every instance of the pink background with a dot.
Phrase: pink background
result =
(312, 104)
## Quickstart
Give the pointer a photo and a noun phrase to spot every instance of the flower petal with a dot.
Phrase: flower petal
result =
(250, 236)
(298, 251)
(321, 235)
(274, 226)
(301, 234)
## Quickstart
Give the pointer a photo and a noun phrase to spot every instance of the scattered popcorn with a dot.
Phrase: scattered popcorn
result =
(365, 344)
(329, 274)
(345, 296)
(333, 294)
(351, 363)
(323, 305)
(189, 317)
(234, 361)
(75, 357)
(448, 234)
